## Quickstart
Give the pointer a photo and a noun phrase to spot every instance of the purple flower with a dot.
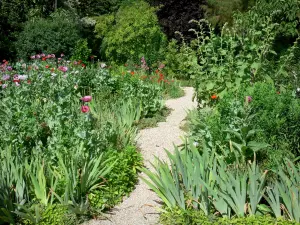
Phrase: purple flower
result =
(5, 77)
(9, 68)
(38, 56)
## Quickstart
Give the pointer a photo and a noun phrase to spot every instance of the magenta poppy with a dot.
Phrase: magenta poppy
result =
(86, 98)
(85, 108)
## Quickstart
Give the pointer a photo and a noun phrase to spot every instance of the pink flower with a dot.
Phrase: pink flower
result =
(4, 86)
(32, 57)
(63, 68)
(87, 98)
(17, 84)
(249, 98)
(85, 108)
(62, 55)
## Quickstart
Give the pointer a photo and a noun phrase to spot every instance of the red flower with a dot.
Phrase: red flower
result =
(83, 65)
(16, 80)
(44, 58)
(28, 81)
(156, 71)
(47, 66)
(0, 82)
(214, 97)
(85, 108)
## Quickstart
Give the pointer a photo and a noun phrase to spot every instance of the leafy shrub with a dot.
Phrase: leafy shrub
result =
(81, 51)
(135, 34)
(271, 116)
(278, 115)
(193, 217)
(181, 61)
(221, 12)
(52, 215)
(57, 34)
(121, 180)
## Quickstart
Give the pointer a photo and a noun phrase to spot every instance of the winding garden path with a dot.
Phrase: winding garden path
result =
(140, 207)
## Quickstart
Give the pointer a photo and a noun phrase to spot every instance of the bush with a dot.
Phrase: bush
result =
(81, 51)
(277, 114)
(57, 34)
(181, 61)
(136, 33)
(121, 180)
(193, 217)
(272, 116)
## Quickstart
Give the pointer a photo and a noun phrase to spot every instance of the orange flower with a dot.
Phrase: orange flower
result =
(214, 97)
(132, 73)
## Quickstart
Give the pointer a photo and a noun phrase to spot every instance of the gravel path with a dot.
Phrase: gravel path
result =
(139, 207)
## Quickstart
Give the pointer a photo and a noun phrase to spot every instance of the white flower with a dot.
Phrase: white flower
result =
(103, 65)
(22, 77)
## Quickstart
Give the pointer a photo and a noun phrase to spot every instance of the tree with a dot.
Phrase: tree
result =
(174, 15)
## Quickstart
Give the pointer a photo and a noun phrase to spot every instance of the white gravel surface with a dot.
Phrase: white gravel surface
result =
(140, 207)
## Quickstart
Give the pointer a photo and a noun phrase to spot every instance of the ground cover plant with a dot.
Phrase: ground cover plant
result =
(67, 149)
(239, 164)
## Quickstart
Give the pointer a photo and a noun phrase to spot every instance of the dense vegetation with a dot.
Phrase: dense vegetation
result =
(78, 78)
(240, 162)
